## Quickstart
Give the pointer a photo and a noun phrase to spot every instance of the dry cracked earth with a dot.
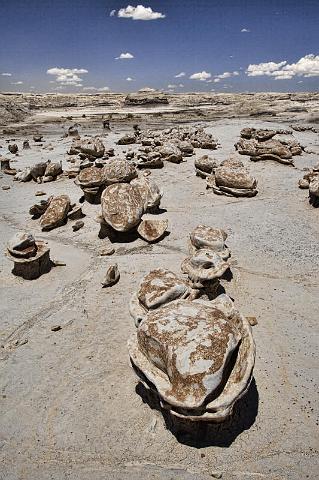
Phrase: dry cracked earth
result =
(70, 404)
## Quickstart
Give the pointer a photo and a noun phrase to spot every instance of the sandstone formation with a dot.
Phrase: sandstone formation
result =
(198, 357)
(31, 258)
(56, 213)
(231, 178)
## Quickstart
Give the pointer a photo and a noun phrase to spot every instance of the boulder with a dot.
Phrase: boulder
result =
(122, 206)
(152, 230)
(198, 357)
(56, 213)
(118, 171)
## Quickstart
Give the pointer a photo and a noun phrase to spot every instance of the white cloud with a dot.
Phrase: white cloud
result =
(268, 68)
(103, 89)
(171, 86)
(67, 76)
(181, 85)
(202, 76)
(244, 30)
(307, 66)
(89, 88)
(179, 75)
(125, 56)
(5, 74)
(139, 13)
(224, 75)
(112, 13)
(17, 83)
(129, 79)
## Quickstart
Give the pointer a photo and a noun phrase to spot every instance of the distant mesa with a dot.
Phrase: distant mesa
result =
(146, 96)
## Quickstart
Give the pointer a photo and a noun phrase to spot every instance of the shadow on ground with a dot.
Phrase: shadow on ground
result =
(204, 434)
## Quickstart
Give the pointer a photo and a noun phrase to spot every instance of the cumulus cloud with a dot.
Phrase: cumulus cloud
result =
(171, 86)
(17, 83)
(129, 79)
(125, 56)
(5, 74)
(181, 85)
(67, 76)
(202, 76)
(224, 75)
(138, 13)
(181, 74)
(307, 66)
(244, 30)
(112, 13)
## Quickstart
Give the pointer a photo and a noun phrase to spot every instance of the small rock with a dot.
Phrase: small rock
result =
(252, 321)
(56, 328)
(58, 263)
(39, 193)
(6, 187)
(13, 148)
(78, 224)
(112, 276)
(108, 250)
(216, 474)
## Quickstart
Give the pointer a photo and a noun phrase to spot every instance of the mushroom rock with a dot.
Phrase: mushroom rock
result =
(205, 165)
(170, 153)
(92, 181)
(196, 356)
(209, 238)
(232, 179)
(5, 163)
(56, 213)
(122, 206)
(119, 171)
(152, 230)
(157, 288)
(31, 258)
(149, 191)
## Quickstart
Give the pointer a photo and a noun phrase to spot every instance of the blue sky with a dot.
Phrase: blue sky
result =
(80, 41)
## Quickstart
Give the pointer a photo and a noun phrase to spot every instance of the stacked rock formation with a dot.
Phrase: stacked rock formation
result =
(260, 145)
(197, 355)
(31, 257)
(124, 204)
(230, 178)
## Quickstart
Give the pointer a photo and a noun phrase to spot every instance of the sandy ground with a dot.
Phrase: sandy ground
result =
(69, 402)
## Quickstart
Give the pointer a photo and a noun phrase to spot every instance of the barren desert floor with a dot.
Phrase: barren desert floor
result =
(70, 404)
